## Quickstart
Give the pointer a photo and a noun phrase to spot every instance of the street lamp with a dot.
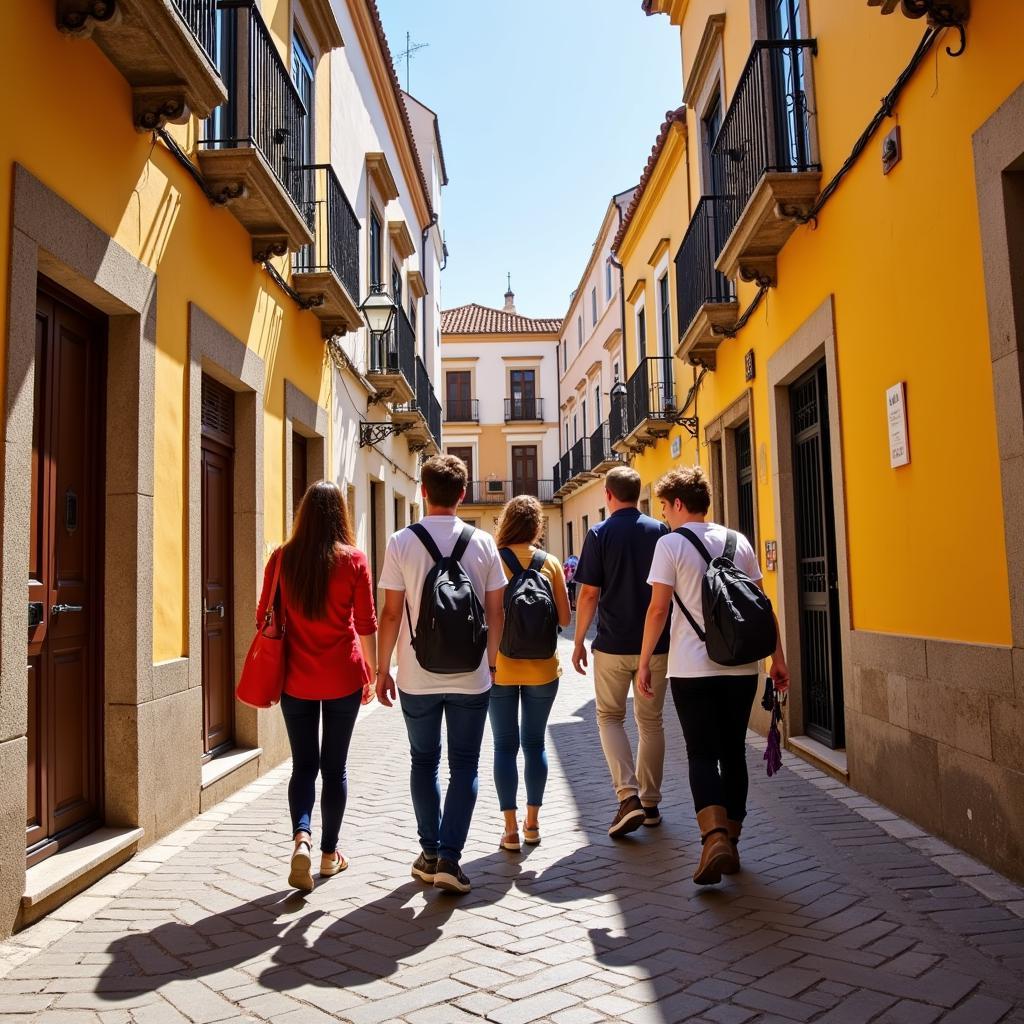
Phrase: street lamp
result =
(378, 309)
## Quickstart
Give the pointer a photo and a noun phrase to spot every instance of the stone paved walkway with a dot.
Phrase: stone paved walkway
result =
(843, 913)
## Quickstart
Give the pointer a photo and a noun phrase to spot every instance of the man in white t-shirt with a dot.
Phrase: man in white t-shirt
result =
(713, 701)
(427, 697)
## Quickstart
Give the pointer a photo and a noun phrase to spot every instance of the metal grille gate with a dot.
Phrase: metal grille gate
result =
(820, 651)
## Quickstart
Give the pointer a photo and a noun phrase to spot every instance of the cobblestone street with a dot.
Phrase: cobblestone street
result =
(843, 913)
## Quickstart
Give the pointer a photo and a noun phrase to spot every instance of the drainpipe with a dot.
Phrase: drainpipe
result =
(622, 310)
(423, 258)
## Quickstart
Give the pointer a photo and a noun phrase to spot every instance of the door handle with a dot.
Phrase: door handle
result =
(58, 608)
(218, 608)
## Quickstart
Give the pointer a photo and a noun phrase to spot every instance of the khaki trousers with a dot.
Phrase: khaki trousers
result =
(613, 676)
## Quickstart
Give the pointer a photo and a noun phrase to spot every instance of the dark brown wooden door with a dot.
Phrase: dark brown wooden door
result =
(523, 384)
(65, 578)
(217, 504)
(300, 479)
(524, 469)
(459, 395)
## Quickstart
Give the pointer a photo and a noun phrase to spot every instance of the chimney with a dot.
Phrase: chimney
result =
(510, 298)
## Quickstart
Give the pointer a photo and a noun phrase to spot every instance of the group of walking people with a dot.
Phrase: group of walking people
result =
(472, 623)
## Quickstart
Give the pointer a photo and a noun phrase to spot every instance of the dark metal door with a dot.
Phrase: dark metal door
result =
(65, 579)
(216, 589)
(821, 666)
(524, 469)
(299, 474)
(745, 483)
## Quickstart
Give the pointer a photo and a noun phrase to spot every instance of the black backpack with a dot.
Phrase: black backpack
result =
(450, 635)
(531, 619)
(739, 627)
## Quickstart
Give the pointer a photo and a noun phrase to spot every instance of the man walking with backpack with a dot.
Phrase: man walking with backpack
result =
(724, 627)
(443, 584)
(612, 574)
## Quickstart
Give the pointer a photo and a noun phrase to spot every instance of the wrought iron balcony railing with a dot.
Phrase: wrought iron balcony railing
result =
(394, 351)
(335, 226)
(579, 457)
(426, 400)
(529, 409)
(264, 110)
(497, 492)
(698, 283)
(617, 427)
(556, 476)
(649, 392)
(601, 451)
(201, 18)
(462, 410)
(565, 468)
(766, 127)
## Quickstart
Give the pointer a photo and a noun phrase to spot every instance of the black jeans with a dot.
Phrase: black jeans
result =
(714, 712)
(327, 757)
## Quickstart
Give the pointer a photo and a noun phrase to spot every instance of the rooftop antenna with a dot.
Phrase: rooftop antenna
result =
(410, 50)
(510, 280)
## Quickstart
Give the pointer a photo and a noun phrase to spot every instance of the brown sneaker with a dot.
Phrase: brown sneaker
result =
(628, 819)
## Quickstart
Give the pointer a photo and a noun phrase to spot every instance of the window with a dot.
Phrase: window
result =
(745, 483)
(568, 537)
(615, 371)
(641, 333)
(303, 76)
(567, 435)
(412, 316)
(602, 513)
(593, 306)
(586, 526)
(458, 391)
(712, 122)
(584, 411)
(376, 256)
(597, 406)
(523, 387)
(579, 332)
(575, 428)
(466, 454)
(608, 281)
(665, 318)
(396, 284)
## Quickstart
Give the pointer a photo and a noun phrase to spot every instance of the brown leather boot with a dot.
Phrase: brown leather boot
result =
(717, 853)
(734, 827)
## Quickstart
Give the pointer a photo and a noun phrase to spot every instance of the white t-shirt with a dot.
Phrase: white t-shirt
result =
(681, 566)
(406, 564)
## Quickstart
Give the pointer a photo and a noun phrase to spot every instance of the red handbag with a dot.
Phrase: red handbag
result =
(262, 679)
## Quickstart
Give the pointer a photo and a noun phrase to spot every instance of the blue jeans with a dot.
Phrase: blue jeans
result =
(444, 835)
(509, 734)
(326, 756)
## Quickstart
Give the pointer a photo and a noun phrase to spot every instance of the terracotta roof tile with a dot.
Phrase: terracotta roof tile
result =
(476, 319)
(671, 118)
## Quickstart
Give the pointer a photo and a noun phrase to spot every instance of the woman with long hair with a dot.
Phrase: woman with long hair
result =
(330, 632)
(524, 688)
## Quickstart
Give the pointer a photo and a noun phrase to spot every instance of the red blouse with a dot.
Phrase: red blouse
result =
(324, 657)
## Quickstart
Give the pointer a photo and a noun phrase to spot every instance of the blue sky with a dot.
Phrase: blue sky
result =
(547, 108)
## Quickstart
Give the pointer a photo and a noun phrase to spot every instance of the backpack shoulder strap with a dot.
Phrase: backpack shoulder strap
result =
(730, 545)
(510, 560)
(463, 542)
(696, 542)
(428, 542)
(701, 635)
(538, 560)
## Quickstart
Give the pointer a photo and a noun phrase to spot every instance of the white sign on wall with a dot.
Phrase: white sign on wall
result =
(899, 442)
(677, 446)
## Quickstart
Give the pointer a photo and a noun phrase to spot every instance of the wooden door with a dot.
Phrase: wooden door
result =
(524, 394)
(65, 577)
(821, 667)
(300, 478)
(459, 395)
(466, 454)
(216, 587)
(524, 469)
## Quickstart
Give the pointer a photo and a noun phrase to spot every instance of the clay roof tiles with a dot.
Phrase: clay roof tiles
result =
(671, 117)
(476, 319)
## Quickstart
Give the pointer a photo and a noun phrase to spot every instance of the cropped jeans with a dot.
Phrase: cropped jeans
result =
(444, 834)
(326, 755)
(512, 731)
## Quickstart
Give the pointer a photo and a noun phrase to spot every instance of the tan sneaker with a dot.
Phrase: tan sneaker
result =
(510, 841)
(301, 876)
(531, 836)
(332, 864)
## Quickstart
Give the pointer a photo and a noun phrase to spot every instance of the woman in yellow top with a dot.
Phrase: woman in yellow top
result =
(531, 684)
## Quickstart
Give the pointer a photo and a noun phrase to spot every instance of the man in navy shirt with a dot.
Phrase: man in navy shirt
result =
(612, 577)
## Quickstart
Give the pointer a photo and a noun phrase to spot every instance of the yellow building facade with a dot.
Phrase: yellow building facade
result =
(842, 310)
(181, 270)
(500, 383)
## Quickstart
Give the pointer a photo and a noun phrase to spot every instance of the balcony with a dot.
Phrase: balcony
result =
(563, 473)
(497, 492)
(524, 410)
(762, 160)
(391, 368)
(579, 461)
(648, 405)
(165, 49)
(422, 414)
(602, 456)
(252, 147)
(706, 298)
(462, 410)
(326, 273)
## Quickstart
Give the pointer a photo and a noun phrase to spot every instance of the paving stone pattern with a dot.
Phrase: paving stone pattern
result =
(843, 913)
